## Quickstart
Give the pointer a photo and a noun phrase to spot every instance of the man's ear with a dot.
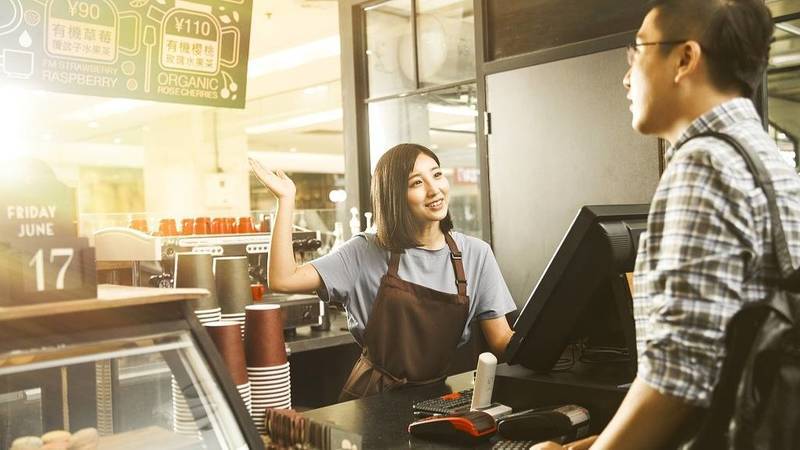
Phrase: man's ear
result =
(688, 61)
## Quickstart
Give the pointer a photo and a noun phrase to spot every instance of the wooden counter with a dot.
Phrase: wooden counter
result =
(108, 296)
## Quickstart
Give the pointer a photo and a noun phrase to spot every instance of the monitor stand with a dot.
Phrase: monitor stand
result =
(599, 388)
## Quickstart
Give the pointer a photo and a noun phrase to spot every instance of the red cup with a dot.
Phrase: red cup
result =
(264, 225)
(139, 224)
(230, 225)
(187, 227)
(245, 225)
(218, 225)
(257, 291)
(202, 225)
(167, 227)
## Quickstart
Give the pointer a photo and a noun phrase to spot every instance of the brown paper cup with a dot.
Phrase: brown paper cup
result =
(194, 270)
(232, 278)
(263, 336)
(228, 340)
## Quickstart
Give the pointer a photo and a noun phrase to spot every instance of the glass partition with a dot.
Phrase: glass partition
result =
(167, 396)
(783, 89)
(445, 41)
(390, 48)
(445, 122)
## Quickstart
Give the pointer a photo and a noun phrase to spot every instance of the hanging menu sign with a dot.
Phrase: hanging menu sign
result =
(42, 259)
(165, 50)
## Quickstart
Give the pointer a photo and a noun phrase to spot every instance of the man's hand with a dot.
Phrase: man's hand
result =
(583, 444)
(646, 419)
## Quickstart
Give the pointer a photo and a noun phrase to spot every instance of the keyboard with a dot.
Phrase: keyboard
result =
(513, 445)
(446, 405)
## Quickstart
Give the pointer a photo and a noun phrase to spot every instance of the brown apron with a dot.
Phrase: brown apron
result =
(411, 334)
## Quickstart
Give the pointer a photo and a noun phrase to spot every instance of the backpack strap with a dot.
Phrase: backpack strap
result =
(790, 277)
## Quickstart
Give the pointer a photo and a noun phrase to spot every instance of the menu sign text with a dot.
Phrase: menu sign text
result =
(165, 50)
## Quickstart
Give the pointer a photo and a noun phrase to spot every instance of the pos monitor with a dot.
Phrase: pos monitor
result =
(583, 296)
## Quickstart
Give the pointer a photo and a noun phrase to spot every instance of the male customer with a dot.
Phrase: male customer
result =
(707, 250)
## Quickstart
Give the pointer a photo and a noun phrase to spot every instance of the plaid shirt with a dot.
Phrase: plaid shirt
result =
(707, 250)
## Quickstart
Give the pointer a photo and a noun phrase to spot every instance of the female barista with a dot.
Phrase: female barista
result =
(412, 289)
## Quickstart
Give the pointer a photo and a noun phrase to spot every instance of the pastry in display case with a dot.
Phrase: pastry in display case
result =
(131, 369)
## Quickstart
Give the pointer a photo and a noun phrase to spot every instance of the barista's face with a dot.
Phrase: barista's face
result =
(650, 80)
(428, 191)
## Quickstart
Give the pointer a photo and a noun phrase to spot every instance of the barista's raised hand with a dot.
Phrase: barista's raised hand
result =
(277, 182)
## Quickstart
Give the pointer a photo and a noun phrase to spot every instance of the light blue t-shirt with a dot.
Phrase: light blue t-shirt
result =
(352, 275)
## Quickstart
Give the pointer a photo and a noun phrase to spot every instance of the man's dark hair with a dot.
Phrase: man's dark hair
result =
(397, 228)
(735, 36)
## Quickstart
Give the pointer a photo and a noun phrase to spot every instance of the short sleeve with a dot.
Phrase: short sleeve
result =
(339, 270)
(492, 296)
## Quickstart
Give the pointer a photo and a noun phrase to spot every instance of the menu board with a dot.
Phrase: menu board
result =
(165, 50)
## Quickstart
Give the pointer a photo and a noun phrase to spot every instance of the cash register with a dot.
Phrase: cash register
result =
(574, 341)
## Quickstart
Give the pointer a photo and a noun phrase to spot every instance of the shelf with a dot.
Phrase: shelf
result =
(108, 296)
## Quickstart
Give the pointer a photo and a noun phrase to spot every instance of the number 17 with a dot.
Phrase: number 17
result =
(38, 262)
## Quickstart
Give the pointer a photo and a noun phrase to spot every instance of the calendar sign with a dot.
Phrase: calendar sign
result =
(48, 270)
(42, 258)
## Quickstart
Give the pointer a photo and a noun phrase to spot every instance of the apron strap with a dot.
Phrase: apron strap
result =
(455, 258)
(458, 265)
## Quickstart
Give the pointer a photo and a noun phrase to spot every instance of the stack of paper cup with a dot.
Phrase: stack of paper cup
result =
(267, 365)
(231, 275)
(227, 339)
(208, 315)
(193, 270)
(182, 419)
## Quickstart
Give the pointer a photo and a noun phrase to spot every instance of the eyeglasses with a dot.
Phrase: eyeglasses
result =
(633, 47)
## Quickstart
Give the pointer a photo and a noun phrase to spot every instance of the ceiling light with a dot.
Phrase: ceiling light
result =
(460, 127)
(789, 28)
(337, 195)
(117, 140)
(293, 149)
(785, 60)
(313, 90)
(296, 122)
(434, 147)
(294, 57)
(452, 110)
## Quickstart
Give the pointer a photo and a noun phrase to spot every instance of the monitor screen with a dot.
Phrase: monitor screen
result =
(583, 297)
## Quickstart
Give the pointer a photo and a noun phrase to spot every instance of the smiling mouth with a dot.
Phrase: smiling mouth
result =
(435, 204)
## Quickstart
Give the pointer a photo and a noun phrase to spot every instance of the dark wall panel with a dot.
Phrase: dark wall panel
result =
(523, 26)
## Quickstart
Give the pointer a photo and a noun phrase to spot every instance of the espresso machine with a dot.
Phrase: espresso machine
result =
(131, 257)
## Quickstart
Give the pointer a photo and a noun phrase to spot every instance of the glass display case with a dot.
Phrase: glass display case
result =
(132, 367)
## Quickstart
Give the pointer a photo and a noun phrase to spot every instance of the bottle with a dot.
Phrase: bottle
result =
(355, 223)
(338, 230)
(368, 218)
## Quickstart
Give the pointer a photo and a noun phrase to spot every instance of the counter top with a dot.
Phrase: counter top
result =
(306, 338)
(108, 296)
(382, 420)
